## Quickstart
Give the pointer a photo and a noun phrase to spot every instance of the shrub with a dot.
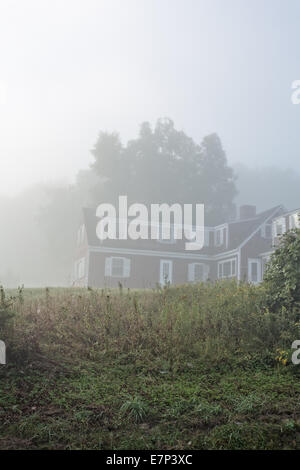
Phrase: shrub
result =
(282, 278)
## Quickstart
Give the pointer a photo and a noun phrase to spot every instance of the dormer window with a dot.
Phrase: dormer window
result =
(294, 221)
(266, 231)
(279, 227)
(221, 236)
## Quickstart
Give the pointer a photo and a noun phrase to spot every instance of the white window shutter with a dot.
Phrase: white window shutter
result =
(126, 267)
(107, 266)
(191, 272)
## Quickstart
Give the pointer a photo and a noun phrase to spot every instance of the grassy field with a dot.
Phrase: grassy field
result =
(194, 367)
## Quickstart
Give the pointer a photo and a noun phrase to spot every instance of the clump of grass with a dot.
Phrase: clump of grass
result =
(135, 408)
(247, 404)
(207, 411)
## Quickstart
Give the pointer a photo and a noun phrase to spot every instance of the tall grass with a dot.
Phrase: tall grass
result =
(214, 322)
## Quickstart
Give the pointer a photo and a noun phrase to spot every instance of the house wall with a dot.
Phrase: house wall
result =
(255, 246)
(144, 271)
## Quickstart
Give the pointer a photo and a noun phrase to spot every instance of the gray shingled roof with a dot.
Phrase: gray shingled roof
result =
(239, 231)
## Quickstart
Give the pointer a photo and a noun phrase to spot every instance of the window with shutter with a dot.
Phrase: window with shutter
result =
(117, 267)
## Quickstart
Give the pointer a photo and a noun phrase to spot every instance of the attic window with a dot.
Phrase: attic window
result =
(279, 227)
(294, 221)
(219, 237)
(266, 231)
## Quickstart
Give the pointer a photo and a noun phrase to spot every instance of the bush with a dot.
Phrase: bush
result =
(282, 278)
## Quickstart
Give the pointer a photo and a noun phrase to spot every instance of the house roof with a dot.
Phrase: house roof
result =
(238, 231)
(286, 213)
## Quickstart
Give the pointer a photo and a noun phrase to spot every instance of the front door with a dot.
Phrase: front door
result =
(165, 272)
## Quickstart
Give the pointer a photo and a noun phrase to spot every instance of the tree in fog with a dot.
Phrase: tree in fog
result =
(165, 165)
(266, 187)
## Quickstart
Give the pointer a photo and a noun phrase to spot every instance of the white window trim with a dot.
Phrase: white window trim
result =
(231, 260)
(80, 269)
(191, 272)
(294, 221)
(279, 222)
(161, 279)
(219, 230)
(259, 268)
(126, 267)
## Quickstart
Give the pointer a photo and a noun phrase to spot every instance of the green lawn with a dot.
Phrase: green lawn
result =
(50, 406)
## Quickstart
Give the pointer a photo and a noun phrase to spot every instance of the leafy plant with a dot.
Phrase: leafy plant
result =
(6, 312)
(282, 278)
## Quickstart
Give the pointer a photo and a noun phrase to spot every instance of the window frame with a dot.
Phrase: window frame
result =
(163, 281)
(80, 268)
(233, 273)
(192, 271)
(258, 263)
(126, 267)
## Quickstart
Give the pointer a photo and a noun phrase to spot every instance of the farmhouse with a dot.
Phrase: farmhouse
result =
(236, 249)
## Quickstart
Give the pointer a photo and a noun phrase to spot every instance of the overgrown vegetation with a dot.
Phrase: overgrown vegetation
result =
(282, 279)
(197, 366)
(188, 367)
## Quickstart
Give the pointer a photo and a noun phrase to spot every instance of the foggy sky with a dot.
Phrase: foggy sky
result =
(70, 68)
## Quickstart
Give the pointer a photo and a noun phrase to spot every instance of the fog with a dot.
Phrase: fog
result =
(72, 69)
